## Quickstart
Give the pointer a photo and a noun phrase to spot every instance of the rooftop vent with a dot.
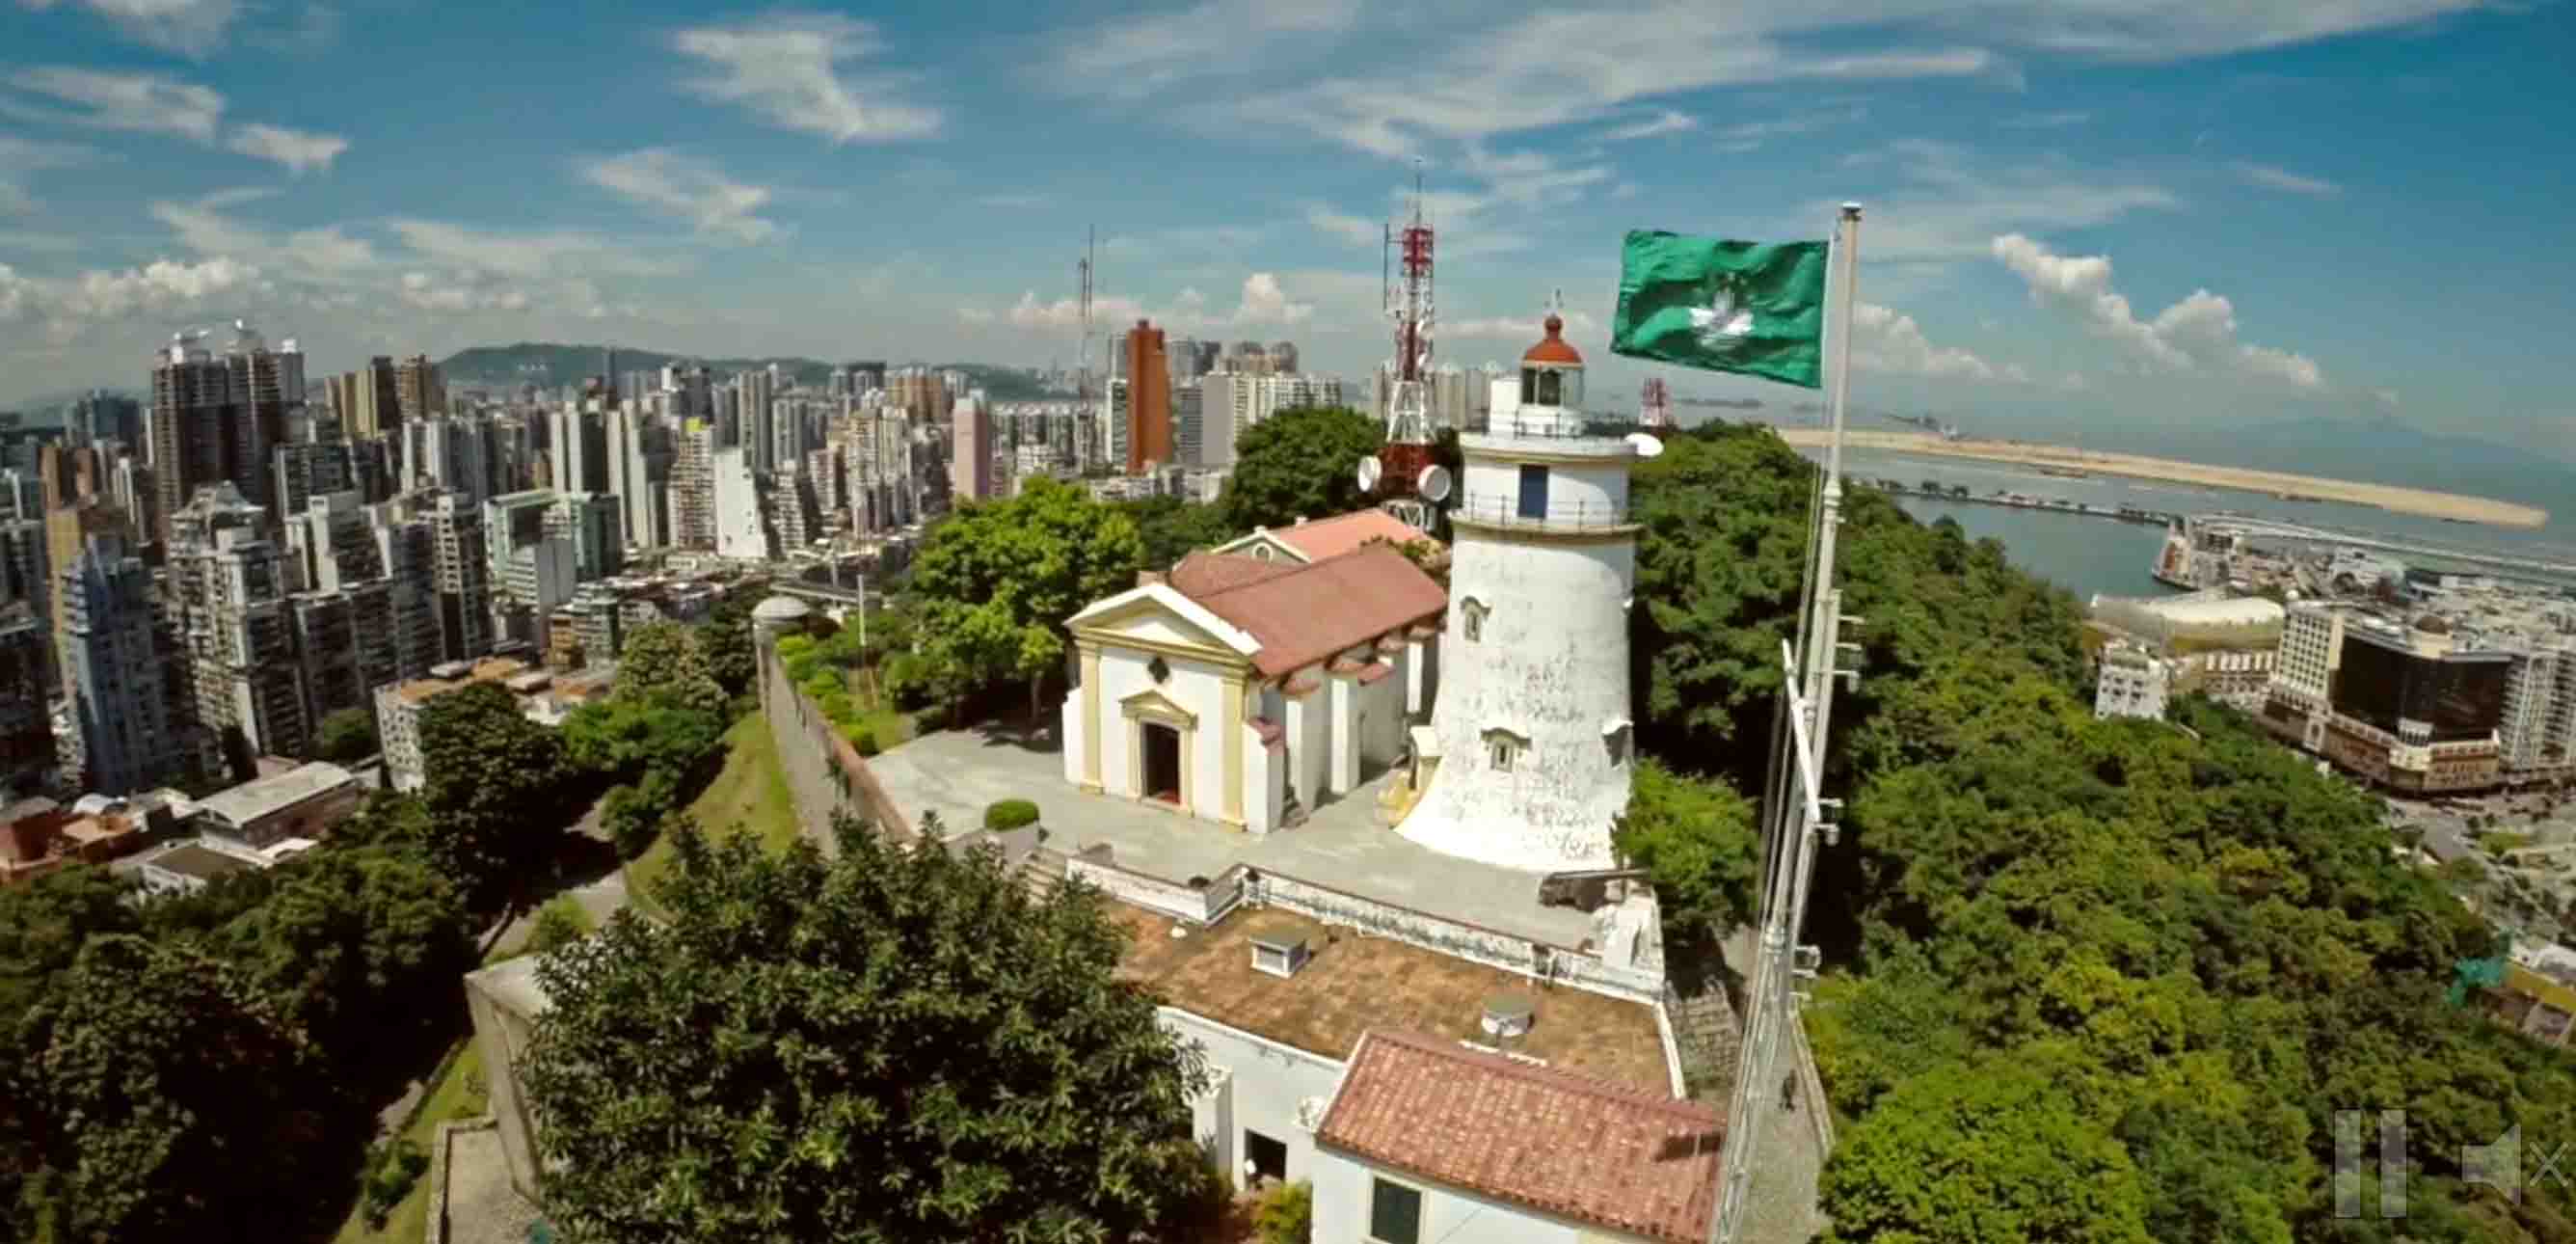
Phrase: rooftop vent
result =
(1508, 1015)
(1279, 947)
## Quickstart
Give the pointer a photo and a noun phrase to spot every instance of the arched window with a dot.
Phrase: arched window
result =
(1471, 619)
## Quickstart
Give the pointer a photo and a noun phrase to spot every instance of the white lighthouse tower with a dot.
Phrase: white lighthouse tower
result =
(1535, 747)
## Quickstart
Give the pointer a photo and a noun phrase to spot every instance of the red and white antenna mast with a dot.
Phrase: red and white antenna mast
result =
(1655, 406)
(1402, 475)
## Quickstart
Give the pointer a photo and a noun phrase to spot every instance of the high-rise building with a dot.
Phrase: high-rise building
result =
(419, 392)
(1149, 399)
(461, 572)
(368, 401)
(578, 443)
(739, 529)
(757, 392)
(68, 529)
(227, 581)
(970, 462)
(638, 476)
(407, 549)
(113, 672)
(449, 454)
(103, 416)
(792, 502)
(1232, 402)
(26, 722)
(692, 492)
(922, 392)
(193, 422)
(1189, 423)
(1283, 357)
(589, 522)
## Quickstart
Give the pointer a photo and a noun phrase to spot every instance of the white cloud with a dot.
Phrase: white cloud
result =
(2274, 177)
(68, 305)
(1264, 301)
(1665, 121)
(1747, 136)
(1947, 204)
(1889, 342)
(188, 27)
(787, 67)
(2196, 334)
(1342, 227)
(1014, 202)
(689, 189)
(323, 253)
(297, 150)
(1521, 329)
(139, 102)
(1135, 55)
(467, 293)
(500, 253)
(2045, 120)
(20, 156)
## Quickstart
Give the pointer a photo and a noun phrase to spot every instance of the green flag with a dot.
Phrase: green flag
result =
(1724, 306)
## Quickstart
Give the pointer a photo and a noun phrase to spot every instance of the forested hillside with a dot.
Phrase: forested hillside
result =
(2086, 980)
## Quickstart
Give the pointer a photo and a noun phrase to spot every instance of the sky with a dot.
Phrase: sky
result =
(2078, 212)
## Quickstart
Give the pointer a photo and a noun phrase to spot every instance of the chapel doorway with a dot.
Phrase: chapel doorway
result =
(1162, 763)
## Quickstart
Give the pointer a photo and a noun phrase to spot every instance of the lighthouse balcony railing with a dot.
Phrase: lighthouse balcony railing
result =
(1552, 427)
(1504, 510)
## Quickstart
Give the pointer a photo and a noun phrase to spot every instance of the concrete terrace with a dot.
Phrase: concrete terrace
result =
(1341, 846)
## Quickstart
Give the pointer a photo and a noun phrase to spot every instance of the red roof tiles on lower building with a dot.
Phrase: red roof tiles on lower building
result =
(1564, 1144)
(1308, 613)
(1332, 537)
(1204, 572)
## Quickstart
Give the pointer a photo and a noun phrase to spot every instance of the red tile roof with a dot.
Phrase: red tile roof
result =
(1308, 613)
(1332, 537)
(1564, 1144)
(1202, 572)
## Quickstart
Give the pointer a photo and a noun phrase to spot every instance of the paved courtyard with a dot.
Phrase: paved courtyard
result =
(956, 773)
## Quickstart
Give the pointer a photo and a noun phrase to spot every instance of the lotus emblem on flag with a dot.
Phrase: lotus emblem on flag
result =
(1722, 322)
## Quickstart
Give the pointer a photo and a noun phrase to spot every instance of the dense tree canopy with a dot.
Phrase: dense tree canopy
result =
(896, 1045)
(498, 788)
(996, 581)
(726, 637)
(1696, 836)
(663, 663)
(345, 735)
(1171, 528)
(157, 1096)
(1299, 464)
(355, 943)
(2086, 980)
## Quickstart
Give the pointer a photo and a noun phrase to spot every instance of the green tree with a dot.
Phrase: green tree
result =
(345, 735)
(662, 663)
(633, 815)
(997, 581)
(499, 792)
(354, 943)
(912, 1016)
(1972, 1155)
(160, 1098)
(45, 921)
(725, 638)
(1695, 838)
(1299, 464)
(620, 737)
(1172, 528)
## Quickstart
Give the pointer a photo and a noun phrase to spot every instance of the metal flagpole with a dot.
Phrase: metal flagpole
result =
(1800, 818)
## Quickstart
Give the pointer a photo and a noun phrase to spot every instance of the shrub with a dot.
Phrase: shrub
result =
(863, 738)
(391, 1172)
(1287, 1214)
(1010, 814)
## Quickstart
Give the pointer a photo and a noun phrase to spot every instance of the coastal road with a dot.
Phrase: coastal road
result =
(2453, 506)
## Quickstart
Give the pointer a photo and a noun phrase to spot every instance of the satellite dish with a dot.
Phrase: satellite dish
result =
(1369, 470)
(1433, 486)
(1646, 445)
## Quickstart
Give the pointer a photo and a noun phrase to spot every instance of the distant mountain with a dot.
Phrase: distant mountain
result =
(550, 365)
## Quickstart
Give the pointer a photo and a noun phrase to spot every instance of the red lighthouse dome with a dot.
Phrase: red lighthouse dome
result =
(1554, 351)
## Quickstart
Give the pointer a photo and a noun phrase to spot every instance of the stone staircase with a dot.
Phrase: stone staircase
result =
(1041, 871)
(1705, 1024)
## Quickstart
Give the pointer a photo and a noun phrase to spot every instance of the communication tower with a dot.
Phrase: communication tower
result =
(1655, 406)
(1402, 475)
(1082, 369)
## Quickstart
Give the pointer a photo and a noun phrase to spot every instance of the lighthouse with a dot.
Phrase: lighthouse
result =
(1534, 743)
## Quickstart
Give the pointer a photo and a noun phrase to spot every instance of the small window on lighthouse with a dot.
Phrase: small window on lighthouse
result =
(1503, 749)
(1472, 619)
(1549, 394)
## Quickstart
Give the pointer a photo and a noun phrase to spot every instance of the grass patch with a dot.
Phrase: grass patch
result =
(890, 725)
(2497, 842)
(459, 1094)
(748, 796)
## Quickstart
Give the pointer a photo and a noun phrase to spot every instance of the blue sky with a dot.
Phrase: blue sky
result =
(2084, 210)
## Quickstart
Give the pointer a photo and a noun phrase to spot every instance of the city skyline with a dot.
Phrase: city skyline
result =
(2101, 215)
